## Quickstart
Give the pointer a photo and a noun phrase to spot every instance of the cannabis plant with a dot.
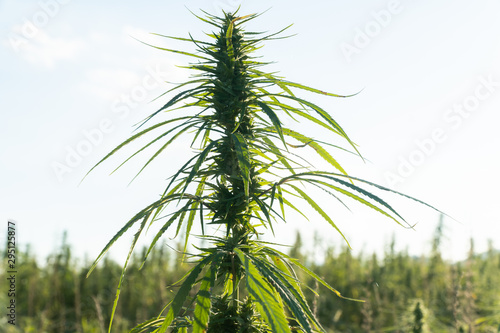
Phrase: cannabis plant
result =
(416, 318)
(244, 174)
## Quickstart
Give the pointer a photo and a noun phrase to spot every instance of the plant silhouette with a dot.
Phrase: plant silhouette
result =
(245, 174)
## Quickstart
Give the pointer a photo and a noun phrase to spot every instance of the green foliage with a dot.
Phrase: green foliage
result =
(242, 169)
(241, 318)
(416, 318)
(390, 285)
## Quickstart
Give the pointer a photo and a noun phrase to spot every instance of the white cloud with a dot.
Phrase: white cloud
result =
(118, 65)
(43, 50)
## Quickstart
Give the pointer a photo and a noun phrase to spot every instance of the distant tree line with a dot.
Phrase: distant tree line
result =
(401, 293)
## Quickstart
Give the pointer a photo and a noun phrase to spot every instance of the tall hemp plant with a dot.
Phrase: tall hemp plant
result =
(242, 178)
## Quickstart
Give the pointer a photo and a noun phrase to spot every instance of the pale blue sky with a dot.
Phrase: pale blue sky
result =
(70, 67)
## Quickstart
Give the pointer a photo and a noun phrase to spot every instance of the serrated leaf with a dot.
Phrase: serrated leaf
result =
(274, 119)
(159, 151)
(182, 293)
(317, 91)
(202, 308)
(317, 147)
(283, 159)
(229, 41)
(177, 98)
(201, 158)
(122, 275)
(290, 292)
(174, 51)
(132, 138)
(243, 156)
(324, 115)
(267, 301)
(319, 210)
(297, 263)
(363, 201)
(193, 211)
(139, 216)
